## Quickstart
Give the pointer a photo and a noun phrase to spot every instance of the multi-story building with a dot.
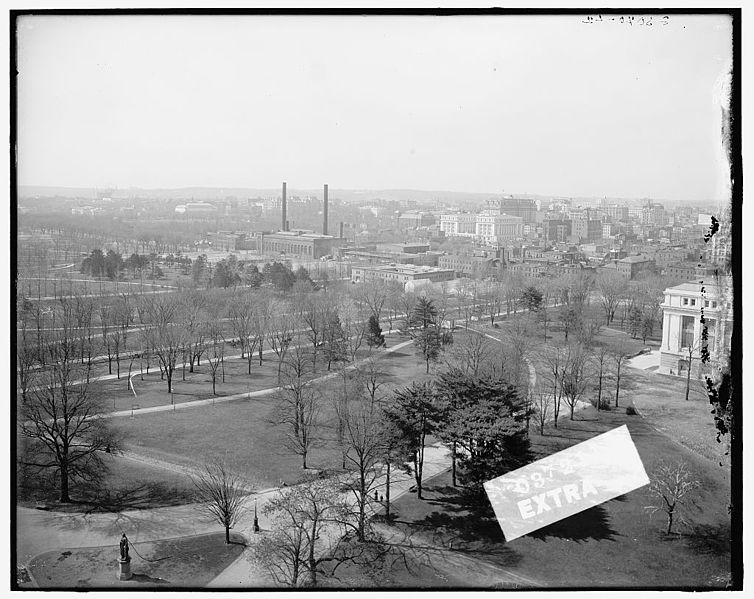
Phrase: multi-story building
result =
(609, 230)
(690, 271)
(414, 219)
(460, 224)
(653, 214)
(468, 266)
(683, 331)
(227, 240)
(524, 208)
(616, 212)
(488, 226)
(631, 267)
(528, 269)
(401, 273)
(557, 230)
(494, 228)
(586, 229)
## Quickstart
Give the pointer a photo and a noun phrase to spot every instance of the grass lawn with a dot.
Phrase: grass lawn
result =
(127, 485)
(660, 398)
(183, 562)
(152, 390)
(198, 384)
(614, 544)
(244, 433)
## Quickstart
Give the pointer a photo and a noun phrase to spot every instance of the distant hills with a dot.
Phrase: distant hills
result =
(348, 195)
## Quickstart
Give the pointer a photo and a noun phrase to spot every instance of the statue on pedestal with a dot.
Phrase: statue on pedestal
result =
(124, 562)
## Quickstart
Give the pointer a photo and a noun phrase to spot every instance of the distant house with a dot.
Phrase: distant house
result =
(631, 267)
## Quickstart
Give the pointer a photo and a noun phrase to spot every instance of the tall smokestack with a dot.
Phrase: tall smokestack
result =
(285, 212)
(341, 229)
(324, 213)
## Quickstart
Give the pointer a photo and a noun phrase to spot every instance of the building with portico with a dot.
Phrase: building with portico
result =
(696, 318)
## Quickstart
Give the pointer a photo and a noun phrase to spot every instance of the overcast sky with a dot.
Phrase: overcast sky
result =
(508, 104)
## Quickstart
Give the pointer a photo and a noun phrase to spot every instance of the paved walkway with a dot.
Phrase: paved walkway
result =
(649, 361)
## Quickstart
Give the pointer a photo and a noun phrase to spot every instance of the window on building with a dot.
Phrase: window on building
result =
(706, 303)
(714, 304)
(693, 302)
(687, 331)
(685, 301)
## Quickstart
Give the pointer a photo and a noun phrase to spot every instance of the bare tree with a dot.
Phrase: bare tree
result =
(363, 435)
(492, 300)
(167, 338)
(315, 315)
(557, 363)
(543, 403)
(221, 494)
(298, 408)
(280, 335)
(27, 363)
(371, 379)
(307, 533)
(600, 358)
(105, 316)
(393, 305)
(612, 289)
(690, 353)
(671, 487)
(576, 375)
(353, 321)
(620, 355)
(372, 294)
(242, 319)
(214, 359)
(472, 354)
(62, 421)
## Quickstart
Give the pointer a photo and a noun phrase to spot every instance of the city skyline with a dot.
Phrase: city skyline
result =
(486, 104)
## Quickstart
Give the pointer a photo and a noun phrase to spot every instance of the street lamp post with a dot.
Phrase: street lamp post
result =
(256, 520)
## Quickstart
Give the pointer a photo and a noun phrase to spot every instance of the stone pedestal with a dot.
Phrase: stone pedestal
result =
(124, 568)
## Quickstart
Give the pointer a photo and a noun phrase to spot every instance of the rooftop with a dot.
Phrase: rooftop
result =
(635, 259)
(404, 268)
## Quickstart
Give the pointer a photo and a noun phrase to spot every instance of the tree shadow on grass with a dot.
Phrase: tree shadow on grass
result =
(591, 524)
(142, 496)
(710, 539)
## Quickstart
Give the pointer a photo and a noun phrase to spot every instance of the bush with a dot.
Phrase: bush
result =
(631, 411)
(605, 405)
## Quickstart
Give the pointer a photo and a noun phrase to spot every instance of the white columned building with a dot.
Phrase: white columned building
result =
(682, 326)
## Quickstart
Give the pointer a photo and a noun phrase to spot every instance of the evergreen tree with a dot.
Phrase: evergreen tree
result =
(531, 298)
(424, 313)
(375, 338)
(413, 414)
(485, 418)
(335, 341)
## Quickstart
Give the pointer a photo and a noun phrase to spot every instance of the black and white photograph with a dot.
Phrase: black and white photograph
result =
(353, 299)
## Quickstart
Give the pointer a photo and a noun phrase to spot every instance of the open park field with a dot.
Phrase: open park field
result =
(244, 431)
